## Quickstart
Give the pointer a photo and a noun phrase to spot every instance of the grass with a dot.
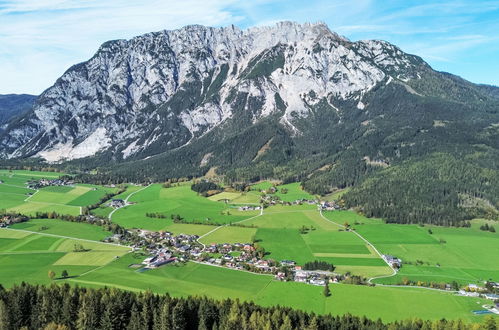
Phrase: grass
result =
(193, 279)
(279, 233)
(230, 234)
(30, 208)
(29, 257)
(294, 191)
(468, 256)
(60, 227)
(176, 200)
(61, 199)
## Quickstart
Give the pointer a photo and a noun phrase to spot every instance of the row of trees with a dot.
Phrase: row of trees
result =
(318, 265)
(486, 227)
(65, 307)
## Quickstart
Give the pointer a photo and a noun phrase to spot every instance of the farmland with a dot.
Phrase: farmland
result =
(286, 192)
(16, 197)
(27, 256)
(298, 232)
(179, 200)
(219, 283)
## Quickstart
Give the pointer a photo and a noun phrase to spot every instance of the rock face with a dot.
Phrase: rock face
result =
(161, 91)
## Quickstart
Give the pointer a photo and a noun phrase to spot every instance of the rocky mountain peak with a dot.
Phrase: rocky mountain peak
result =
(163, 90)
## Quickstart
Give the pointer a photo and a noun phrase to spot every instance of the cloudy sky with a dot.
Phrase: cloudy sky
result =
(40, 39)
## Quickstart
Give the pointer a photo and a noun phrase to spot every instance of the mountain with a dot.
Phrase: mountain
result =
(13, 105)
(291, 102)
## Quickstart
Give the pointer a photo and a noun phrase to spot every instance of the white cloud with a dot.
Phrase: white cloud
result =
(40, 39)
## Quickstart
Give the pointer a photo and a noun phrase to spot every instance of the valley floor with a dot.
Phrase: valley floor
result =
(29, 250)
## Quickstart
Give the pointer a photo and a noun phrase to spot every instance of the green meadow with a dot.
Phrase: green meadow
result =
(28, 256)
(278, 231)
(250, 197)
(63, 228)
(16, 197)
(465, 255)
(294, 191)
(219, 283)
(179, 200)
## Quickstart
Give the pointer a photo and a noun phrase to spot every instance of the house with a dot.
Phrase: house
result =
(473, 287)
(289, 263)
(248, 247)
(491, 296)
(317, 281)
(393, 261)
(280, 276)
(117, 203)
(301, 276)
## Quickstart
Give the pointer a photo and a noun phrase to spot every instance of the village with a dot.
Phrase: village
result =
(164, 248)
(37, 184)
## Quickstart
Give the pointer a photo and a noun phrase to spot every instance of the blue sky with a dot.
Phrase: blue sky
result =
(40, 39)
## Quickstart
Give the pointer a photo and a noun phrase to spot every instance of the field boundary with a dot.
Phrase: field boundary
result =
(227, 225)
(394, 272)
(31, 195)
(126, 201)
(67, 237)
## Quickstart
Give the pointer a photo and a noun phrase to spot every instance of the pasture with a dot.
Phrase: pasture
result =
(219, 283)
(299, 233)
(28, 256)
(430, 253)
(60, 227)
(287, 192)
(177, 200)
(16, 197)
(250, 197)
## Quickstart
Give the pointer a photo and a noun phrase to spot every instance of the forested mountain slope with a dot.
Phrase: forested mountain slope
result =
(12, 105)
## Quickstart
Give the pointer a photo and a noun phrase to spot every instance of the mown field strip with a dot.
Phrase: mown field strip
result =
(394, 272)
(217, 228)
(61, 236)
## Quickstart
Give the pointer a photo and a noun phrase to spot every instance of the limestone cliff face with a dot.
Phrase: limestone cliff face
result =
(163, 90)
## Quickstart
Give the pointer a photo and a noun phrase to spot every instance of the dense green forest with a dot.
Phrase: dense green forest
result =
(65, 307)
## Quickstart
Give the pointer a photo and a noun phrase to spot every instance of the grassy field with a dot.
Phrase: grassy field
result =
(278, 231)
(59, 227)
(16, 197)
(179, 200)
(28, 257)
(250, 197)
(467, 256)
(294, 191)
(230, 234)
(195, 279)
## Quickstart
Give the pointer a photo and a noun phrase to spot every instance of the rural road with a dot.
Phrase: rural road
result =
(126, 201)
(217, 228)
(394, 272)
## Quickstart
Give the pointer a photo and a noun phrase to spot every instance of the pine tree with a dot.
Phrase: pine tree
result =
(327, 292)
(135, 320)
(179, 319)
(163, 320)
(4, 316)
